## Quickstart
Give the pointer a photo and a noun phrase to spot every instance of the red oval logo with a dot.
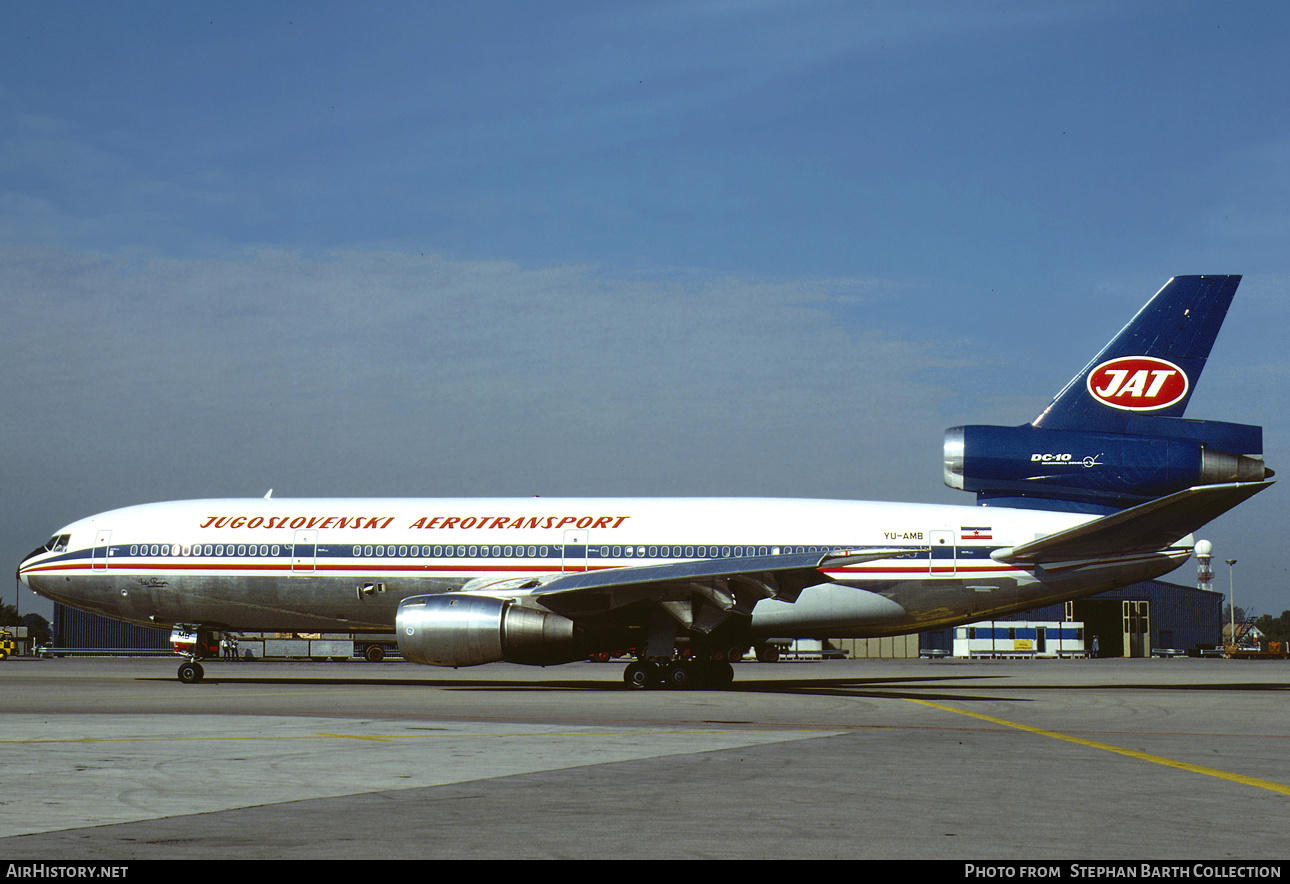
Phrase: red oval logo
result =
(1138, 383)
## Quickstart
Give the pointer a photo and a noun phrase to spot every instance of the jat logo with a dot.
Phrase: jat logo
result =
(1138, 383)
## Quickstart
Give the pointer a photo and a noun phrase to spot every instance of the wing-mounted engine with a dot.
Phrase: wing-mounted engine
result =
(1091, 471)
(460, 629)
(544, 621)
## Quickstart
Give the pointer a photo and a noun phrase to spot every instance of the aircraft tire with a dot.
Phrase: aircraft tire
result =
(374, 654)
(638, 676)
(680, 675)
(721, 675)
(191, 673)
(708, 675)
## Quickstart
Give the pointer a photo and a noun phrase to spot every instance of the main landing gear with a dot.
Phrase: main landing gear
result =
(678, 674)
(702, 661)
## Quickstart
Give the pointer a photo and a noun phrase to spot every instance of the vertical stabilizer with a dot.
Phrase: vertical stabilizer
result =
(1151, 367)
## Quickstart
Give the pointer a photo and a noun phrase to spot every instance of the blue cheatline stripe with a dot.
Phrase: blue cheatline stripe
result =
(410, 557)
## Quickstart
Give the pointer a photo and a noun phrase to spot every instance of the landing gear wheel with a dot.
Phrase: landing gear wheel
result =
(680, 675)
(191, 672)
(721, 675)
(374, 654)
(639, 676)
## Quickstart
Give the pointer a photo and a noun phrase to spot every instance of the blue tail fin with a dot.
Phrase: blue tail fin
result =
(1152, 365)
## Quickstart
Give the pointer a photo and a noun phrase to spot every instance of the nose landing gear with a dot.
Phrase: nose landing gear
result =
(191, 672)
(194, 643)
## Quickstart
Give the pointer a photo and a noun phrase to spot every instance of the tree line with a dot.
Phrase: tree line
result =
(38, 629)
(1276, 629)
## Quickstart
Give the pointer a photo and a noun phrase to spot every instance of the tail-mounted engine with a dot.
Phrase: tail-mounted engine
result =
(1092, 471)
(459, 629)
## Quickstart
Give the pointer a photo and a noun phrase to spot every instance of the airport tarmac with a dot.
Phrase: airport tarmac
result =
(114, 759)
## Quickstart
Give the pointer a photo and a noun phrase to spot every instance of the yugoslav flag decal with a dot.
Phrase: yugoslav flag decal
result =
(1138, 383)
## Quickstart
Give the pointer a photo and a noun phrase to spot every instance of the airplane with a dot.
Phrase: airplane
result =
(1102, 489)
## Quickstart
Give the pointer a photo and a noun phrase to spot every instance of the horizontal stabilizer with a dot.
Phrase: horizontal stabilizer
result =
(1148, 527)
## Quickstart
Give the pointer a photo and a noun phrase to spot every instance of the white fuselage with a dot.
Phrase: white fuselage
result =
(344, 564)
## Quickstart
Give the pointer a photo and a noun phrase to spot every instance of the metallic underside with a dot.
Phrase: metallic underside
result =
(848, 608)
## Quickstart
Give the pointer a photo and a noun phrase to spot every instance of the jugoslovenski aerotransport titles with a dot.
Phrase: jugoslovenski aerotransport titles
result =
(1104, 488)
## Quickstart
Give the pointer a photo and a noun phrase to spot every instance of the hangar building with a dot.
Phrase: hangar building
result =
(1129, 622)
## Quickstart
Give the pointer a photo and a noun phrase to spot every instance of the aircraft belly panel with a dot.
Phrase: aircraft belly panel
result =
(827, 609)
(267, 604)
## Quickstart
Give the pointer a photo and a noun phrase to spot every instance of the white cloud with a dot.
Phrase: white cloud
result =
(471, 376)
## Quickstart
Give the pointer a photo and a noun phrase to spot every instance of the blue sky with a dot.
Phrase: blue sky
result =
(604, 249)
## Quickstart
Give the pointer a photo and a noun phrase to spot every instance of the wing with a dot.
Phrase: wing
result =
(1148, 527)
(699, 595)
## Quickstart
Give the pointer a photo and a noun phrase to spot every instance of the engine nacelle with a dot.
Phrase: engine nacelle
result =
(459, 629)
(1025, 465)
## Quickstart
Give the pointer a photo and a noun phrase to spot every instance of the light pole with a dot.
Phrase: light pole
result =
(1231, 604)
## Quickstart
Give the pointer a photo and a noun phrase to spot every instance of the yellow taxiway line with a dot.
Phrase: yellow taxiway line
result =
(1131, 753)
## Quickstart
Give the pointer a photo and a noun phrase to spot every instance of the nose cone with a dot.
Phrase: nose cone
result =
(42, 559)
(24, 567)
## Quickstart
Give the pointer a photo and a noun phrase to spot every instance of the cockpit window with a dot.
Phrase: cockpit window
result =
(57, 543)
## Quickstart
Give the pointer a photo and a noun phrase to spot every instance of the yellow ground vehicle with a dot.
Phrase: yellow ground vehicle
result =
(7, 644)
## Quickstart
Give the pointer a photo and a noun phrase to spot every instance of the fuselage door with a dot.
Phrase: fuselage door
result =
(943, 560)
(304, 554)
(575, 550)
(102, 546)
